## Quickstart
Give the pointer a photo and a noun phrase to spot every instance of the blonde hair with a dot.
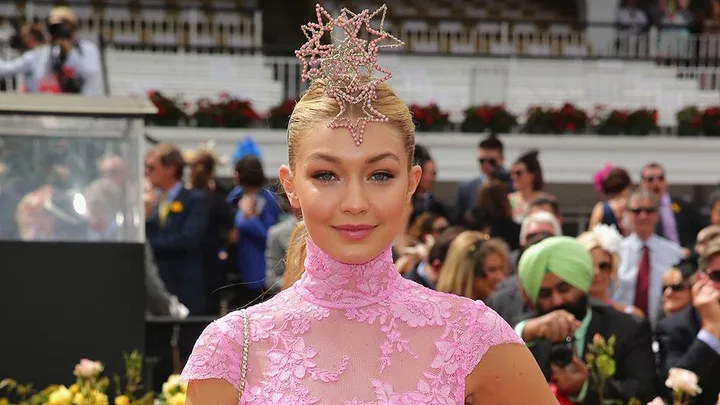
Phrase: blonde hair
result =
(317, 108)
(590, 240)
(467, 253)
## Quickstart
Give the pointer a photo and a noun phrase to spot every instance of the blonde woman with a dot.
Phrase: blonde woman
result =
(351, 330)
(474, 266)
(603, 243)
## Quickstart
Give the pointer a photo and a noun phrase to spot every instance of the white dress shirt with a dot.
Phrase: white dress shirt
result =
(664, 254)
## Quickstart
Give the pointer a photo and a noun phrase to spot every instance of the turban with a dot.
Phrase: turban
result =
(561, 255)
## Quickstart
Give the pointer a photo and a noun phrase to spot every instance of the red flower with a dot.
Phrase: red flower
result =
(696, 121)
(571, 127)
(654, 116)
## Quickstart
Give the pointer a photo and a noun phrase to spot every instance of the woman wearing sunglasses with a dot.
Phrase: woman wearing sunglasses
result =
(603, 243)
(677, 283)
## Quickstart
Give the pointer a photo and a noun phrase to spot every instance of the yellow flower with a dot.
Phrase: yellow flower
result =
(4, 401)
(74, 388)
(61, 396)
(178, 399)
(176, 207)
(122, 400)
(675, 207)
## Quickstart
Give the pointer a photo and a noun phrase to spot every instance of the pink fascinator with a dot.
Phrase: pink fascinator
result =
(349, 64)
(600, 176)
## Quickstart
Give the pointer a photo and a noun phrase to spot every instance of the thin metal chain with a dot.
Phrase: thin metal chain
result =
(246, 348)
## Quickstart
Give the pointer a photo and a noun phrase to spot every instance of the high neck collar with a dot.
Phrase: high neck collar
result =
(333, 284)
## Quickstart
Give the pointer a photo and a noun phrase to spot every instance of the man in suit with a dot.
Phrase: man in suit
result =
(678, 221)
(690, 339)
(424, 200)
(175, 226)
(644, 258)
(555, 276)
(491, 160)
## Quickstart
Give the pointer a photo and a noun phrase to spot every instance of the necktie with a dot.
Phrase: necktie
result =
(642, 285)
(163, 208)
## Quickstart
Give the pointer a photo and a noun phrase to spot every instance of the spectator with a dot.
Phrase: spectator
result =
(474, 266)
(492, 198)
(423, 200)
(257, 211)
(556, 275)
(176, 224)
(427, 271)
(678, 220)
(527, 179)
(631, 18)
(615, 185)
(690, 338)
(66, 65)
(545, 202)
(491, 160)
(644, 257)
(715, 207)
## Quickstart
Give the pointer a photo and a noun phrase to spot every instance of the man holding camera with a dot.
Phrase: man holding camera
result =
(555, 276)
(64, 65)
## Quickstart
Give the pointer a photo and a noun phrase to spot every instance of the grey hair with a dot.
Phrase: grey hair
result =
(542, 217)
(641, 194)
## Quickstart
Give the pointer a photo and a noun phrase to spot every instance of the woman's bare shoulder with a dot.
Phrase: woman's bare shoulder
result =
(504, 368)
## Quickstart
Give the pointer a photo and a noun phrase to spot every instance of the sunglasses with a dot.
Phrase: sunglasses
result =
(647, 210)
(714, 275)
(676, 287)
(605, 266)
(651, 179)
(534, 235)
(517, 173)
(488, 161)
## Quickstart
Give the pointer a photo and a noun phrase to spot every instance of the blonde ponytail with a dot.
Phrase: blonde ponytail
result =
(295, 256)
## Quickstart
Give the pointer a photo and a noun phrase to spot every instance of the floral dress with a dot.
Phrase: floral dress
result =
(352, 335)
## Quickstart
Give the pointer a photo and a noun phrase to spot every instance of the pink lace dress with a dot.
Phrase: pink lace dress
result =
(351, 335)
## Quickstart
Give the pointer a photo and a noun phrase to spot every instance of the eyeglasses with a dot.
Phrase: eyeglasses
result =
(651, 179)
(647, 210)
(605, 266)
(491, 162)
(676, 287)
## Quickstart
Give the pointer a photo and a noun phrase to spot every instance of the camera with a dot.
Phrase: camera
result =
(59, 31)
(561, 353)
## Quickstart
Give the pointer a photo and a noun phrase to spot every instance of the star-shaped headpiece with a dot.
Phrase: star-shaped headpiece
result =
(349, 65)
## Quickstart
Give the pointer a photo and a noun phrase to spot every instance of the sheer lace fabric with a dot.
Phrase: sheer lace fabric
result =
(352, 335)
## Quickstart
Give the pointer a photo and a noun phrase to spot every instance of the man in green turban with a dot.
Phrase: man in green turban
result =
(555, 276)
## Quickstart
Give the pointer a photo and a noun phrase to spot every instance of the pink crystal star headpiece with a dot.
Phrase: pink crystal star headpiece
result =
(349, 65)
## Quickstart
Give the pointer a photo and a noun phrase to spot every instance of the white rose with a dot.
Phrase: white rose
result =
(684, 381)
(657, 401)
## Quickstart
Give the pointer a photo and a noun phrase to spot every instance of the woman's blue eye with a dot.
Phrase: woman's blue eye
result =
(382, 176)
(324, 177)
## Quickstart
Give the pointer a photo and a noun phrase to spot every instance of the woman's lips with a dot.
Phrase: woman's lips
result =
(354, 232)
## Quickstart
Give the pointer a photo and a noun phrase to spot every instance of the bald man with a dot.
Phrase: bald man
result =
(555, 276)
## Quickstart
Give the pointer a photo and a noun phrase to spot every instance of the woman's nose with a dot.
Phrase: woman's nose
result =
(355, 200)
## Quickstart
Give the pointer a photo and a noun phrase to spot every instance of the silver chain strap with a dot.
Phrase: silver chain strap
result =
(246, 349)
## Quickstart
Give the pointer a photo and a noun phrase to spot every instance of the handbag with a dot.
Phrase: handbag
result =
(246, 349)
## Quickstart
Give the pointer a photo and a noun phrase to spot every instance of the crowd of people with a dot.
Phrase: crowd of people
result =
(647, 270)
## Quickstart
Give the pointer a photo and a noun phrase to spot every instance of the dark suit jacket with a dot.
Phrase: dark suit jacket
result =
(679, 347)
(467, 195)
(689, 221)
(177, 248)
(635, 371)
(430, 204)
(414, 276)
(508, 302)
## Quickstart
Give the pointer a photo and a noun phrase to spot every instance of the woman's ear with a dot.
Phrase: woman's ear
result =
(413, 180)
(286, 179)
